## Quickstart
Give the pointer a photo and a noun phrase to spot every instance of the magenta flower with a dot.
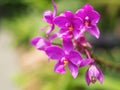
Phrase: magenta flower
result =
(93, 74)
(64, 57)
(69, 24)
(48, 16)
(90, 19)
(40, 43)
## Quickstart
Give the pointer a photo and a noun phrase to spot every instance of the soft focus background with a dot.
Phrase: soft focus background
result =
(22, 67)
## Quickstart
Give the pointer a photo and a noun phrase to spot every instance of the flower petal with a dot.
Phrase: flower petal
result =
(87, 7)
(67, 44)
(69, 15)
(48, 16)
(77, 22)
(86, 62)
(54, 52)
(35, 40)
(95, 17)
(59, 68)
(51, 28)
(61, 21)
(52, 37)
(40, 43)
(87, 77)
(63, 33)
(81, 13)
(76, 33)
(100, 76)
(93, 71)
(73, 69)
(55, 8)
(75, 57)
(94, 31)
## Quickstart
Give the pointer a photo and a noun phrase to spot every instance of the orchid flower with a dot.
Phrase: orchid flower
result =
(48, 16)
(94, 73)
(90, 19)
(64, 57)
(69, 24)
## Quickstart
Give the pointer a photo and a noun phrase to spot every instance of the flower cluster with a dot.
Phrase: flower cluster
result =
(74, 44)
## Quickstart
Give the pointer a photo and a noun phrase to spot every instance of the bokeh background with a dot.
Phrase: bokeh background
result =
(22, 67)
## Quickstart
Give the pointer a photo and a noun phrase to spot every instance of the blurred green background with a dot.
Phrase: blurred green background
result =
(22, 19)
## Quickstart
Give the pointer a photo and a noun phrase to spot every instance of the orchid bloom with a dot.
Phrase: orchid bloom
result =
(94, 73)
(69, 24)
(64, 57)
(90, 19)
(48, 16)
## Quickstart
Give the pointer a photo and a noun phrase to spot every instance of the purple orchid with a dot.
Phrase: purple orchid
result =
(40, 43)
(65, 56)
(69, 24)
(93, 74)
(48, 16)
(90, 19)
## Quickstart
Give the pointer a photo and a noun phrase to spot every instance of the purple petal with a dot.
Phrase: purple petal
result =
(40, 43)
(94, 31)
(35, 40)
(52, 37)
(69, 15)
(54, 52)
(48, 16)
(93, 71)
(76, 33)
(55, 8)
(86, 62)
(87, 7)
(73, 69)
(51, 28)
(61, 21)
(63, 32)
(67, 44)
(100, 76)
(95, 17)
(75, 58)
(77, 22)
(59, 68)
(81, 13)
(87, 77)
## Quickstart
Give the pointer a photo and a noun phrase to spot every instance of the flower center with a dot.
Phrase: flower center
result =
(65, 62)
(93, 79)
(86, 23)
(70, 28)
